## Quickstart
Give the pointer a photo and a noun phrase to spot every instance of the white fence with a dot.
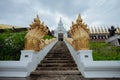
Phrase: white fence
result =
(94, 69)
(28, 62)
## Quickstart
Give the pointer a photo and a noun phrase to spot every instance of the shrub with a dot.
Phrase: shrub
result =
(48, 37)
(11, 44)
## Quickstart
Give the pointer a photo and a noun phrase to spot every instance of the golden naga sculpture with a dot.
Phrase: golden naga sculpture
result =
(33, 39)
(80, 35)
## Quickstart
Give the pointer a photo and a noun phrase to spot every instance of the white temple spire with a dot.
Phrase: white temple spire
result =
(60, 24)
(60, 20)
(60, 30)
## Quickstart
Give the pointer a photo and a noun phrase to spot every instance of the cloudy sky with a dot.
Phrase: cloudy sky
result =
(93, 12)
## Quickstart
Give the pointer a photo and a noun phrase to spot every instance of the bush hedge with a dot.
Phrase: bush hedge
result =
(48, 37)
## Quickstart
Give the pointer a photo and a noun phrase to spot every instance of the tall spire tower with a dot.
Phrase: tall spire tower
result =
(60, 24)
(60, 31)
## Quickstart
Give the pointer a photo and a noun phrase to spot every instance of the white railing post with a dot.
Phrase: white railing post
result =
(85, 55)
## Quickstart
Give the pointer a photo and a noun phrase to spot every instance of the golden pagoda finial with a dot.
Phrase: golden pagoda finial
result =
(79, 18)
(37, 19)
(37, 16)
(73, 23)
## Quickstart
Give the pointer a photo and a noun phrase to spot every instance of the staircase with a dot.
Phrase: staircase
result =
(57, 62)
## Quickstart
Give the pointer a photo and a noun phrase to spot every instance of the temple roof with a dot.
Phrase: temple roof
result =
(5, 26)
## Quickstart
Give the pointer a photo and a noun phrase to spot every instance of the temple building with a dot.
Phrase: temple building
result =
(60, 31)
(97, 33)
(100, 33)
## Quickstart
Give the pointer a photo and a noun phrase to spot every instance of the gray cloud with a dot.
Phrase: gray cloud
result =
(93, 12)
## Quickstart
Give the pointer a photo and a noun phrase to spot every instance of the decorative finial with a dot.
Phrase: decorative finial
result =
(73, 23)
(37, 16)
(79, 19)
(37, 19)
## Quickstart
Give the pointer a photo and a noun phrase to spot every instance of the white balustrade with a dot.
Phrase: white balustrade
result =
(94, 69)
(28, 62)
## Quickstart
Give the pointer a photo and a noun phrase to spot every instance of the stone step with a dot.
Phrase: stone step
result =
(56, 68)
(59, 77)
(61, 49)
(56, 72)
(57, 65)
(66, 52)
(57, 61)
(57, 54)
(58, 58)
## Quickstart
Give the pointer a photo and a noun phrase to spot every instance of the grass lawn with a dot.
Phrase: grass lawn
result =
(104, 51)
